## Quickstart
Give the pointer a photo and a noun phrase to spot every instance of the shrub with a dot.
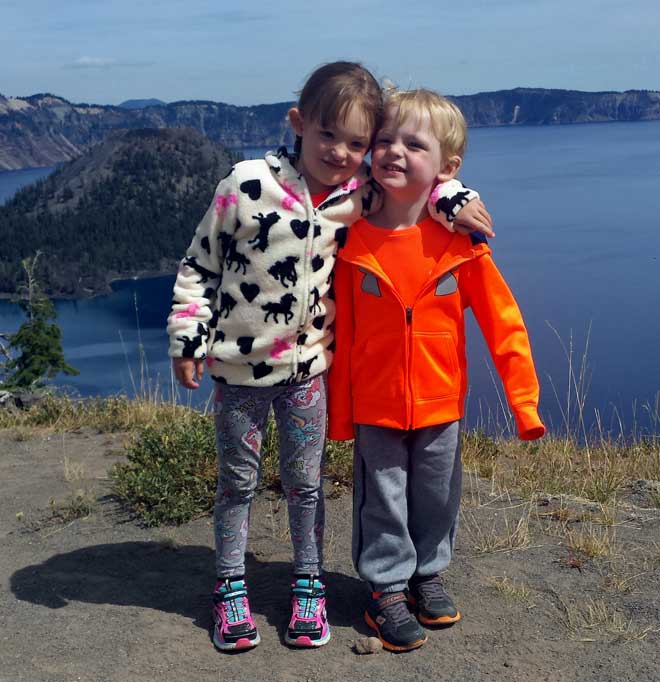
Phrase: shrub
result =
(170, 476)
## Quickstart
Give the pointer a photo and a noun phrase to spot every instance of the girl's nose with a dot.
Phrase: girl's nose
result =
(339, 152)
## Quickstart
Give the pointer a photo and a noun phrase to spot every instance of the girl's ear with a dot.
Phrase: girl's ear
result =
(450, 168)
(296, 121)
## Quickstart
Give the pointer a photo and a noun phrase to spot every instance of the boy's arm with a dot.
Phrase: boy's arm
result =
(340, 399)
(459, 208)
(199, 275)
(501, 323)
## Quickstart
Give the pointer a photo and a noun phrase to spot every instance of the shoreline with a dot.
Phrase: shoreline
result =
(470, 127)
(124, 277)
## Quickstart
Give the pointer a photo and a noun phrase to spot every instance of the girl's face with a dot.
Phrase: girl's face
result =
(330, 155)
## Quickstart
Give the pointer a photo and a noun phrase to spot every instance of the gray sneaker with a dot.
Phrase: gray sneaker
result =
(397, 628)
(431, 601)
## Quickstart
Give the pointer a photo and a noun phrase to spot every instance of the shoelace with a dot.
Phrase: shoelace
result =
(306, 606)
(397, 612)
(307, 599)
(234, 604)
(431, 588)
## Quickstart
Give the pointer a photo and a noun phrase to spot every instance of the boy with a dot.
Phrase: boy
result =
(398, 381)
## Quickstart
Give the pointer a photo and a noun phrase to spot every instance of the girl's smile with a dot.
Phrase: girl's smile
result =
(331, 154)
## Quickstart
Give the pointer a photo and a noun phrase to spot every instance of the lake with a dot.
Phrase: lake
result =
(577, 216)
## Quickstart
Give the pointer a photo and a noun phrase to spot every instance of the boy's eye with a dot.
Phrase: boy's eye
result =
(358, 145)
(327, 134)
(416, 145)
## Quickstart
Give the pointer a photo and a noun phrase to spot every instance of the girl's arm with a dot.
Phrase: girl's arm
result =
(452, 204)
(197, 281)
(459, 208)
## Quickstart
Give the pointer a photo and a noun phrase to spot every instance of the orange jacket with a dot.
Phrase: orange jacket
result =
(405, 367)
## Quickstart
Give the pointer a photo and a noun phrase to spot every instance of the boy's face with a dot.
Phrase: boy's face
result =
(330, 155)
(407, 159)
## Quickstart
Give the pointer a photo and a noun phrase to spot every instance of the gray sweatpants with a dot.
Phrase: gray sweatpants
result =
(241, 413)
(406, 496)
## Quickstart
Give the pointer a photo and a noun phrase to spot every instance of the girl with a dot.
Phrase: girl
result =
(252, 298)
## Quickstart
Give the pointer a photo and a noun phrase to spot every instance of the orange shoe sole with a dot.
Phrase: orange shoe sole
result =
(388, 645)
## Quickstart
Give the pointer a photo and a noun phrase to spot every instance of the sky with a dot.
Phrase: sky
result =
(108, 51)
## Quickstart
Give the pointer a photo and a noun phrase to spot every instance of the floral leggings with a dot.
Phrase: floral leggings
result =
(241, 413)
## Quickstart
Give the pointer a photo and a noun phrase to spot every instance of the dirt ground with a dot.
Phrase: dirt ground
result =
(100, 598)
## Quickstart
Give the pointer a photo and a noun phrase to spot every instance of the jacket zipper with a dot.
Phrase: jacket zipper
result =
(409, 406)
(408, 310)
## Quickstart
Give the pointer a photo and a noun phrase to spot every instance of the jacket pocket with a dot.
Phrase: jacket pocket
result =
(434, 371)
(377, 368)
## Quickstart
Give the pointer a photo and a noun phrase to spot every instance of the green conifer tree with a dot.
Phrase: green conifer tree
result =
(36, 348)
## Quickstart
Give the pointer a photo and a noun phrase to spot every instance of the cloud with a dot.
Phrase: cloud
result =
(103, 63)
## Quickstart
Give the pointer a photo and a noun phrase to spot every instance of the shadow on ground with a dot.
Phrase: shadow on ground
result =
(173, 579)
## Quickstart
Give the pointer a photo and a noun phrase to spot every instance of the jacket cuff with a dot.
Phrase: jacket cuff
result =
(446, 201)
(528, 422)
(337, 431)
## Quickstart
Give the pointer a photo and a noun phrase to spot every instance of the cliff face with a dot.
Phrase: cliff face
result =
(42, 130)
(536, 106)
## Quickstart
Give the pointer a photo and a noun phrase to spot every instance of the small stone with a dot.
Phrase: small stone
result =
(367, 645)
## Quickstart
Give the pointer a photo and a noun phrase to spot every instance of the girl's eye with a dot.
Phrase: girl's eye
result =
(382, 140)
(358, 146)
(327, 134)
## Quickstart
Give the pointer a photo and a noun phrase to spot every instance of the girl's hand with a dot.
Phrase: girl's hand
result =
(188, 371)
(474, 216)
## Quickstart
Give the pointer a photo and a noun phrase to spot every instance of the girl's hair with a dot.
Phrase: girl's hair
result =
(446, 119)
(333, 89)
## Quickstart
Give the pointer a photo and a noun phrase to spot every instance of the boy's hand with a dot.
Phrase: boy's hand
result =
(474, 216)
(188, 371)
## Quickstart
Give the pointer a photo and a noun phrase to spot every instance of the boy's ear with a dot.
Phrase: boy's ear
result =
(296, 121)
(450, 168)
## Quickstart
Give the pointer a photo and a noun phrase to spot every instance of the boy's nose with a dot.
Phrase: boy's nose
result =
(395, 149)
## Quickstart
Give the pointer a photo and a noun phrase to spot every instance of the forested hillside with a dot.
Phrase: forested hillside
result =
(126, 207)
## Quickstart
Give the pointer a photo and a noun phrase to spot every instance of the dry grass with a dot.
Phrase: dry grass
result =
(599, 473)
(591, 541)
(512, 590)
(507, 531)
(74, 471)
(598, 616)
(78, 505)
(61, 413)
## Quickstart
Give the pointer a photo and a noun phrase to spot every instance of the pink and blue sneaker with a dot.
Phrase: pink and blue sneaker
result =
(234, 627)
(308, 626)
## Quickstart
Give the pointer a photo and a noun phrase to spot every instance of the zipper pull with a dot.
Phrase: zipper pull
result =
(408, 314)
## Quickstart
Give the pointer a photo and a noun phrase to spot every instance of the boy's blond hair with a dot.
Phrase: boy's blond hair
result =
(446, 119)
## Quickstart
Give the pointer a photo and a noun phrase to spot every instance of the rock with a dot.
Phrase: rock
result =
(367, 645)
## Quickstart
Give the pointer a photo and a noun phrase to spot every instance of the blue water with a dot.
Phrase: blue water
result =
(577, 216)
(12, 181)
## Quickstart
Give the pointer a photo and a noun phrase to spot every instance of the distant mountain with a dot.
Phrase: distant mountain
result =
(43, 129)
(127, 206)
(142, 103)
